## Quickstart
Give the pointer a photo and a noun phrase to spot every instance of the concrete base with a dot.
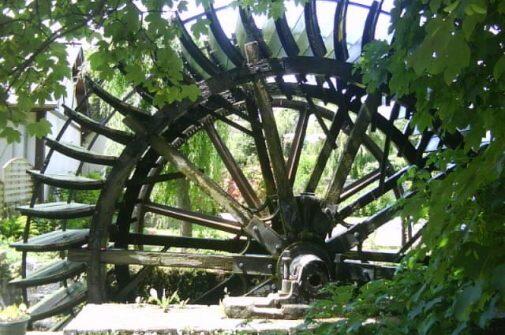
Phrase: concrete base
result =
(123, 319)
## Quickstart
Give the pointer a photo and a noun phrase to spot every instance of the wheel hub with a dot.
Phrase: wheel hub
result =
(304, 268)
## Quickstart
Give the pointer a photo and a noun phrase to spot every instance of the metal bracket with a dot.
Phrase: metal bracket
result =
(265, 235)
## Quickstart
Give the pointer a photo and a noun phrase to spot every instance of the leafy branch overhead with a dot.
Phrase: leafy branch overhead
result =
(137, 38)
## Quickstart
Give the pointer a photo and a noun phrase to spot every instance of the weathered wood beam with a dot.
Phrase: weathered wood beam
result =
(297, 144)
(157, 178)
(231, 123)
(351, 148)
(250, 264)
(228, 245)
(260, 144)
(119, 105)
(365, 199)
(337, 123)
(228, 48)
(193, 217)
(312, 27)
(360, 184)
(288, 207)
(250, 196)
(348, 239)
(182, 164)
(195, 51)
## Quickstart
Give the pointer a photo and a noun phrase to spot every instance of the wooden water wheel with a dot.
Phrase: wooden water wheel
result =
(247, 81)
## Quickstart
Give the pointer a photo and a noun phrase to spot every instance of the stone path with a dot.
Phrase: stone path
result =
(151, 320)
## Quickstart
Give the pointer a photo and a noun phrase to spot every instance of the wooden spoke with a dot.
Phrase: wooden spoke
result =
(193, 217)
(359, 232)
(351, 149)
(259, 141)
(328, 146)
(395, 111)
(297, 145)
(236, 172)
(289, 209)
(360, 184)
(156, 179)
(374, 194)
(182, 164)
(231, 123)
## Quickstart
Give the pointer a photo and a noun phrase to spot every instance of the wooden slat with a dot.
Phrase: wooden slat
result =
(88, 123)
(51, 273)
(58, 210)
(79, 153)
(252, 264)
(67, 181)
(59, 302)
(54, 241)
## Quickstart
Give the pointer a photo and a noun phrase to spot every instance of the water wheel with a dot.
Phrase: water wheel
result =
(247, 81)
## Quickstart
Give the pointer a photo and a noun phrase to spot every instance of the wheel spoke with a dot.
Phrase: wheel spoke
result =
(194, 217)
(297, 145)
(328, 146)
(351, 149)
(288, 207)
(372, 195)
(360, 184)
(207, 185)
(236, 172)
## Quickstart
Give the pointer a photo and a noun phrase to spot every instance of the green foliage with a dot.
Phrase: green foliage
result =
(163, 301)
(448, 55)
(12, 227)
(405, 305)
(132, 38)
(13, 313)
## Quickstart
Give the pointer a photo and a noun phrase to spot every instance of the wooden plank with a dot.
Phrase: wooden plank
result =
(58, 210)
(51, 273)
(251, 264)
(59, 302)
(54, 241)
(99, 128)
(68, 181)
(79, 153)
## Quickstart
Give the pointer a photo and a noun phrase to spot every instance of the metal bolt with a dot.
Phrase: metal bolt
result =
(356, 235)
(327, 211)
(241, 265)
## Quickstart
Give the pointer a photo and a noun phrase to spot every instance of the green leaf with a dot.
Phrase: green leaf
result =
(499, 68)
(11, 135)
(465, 300)
(200, 28)
(39, 129)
